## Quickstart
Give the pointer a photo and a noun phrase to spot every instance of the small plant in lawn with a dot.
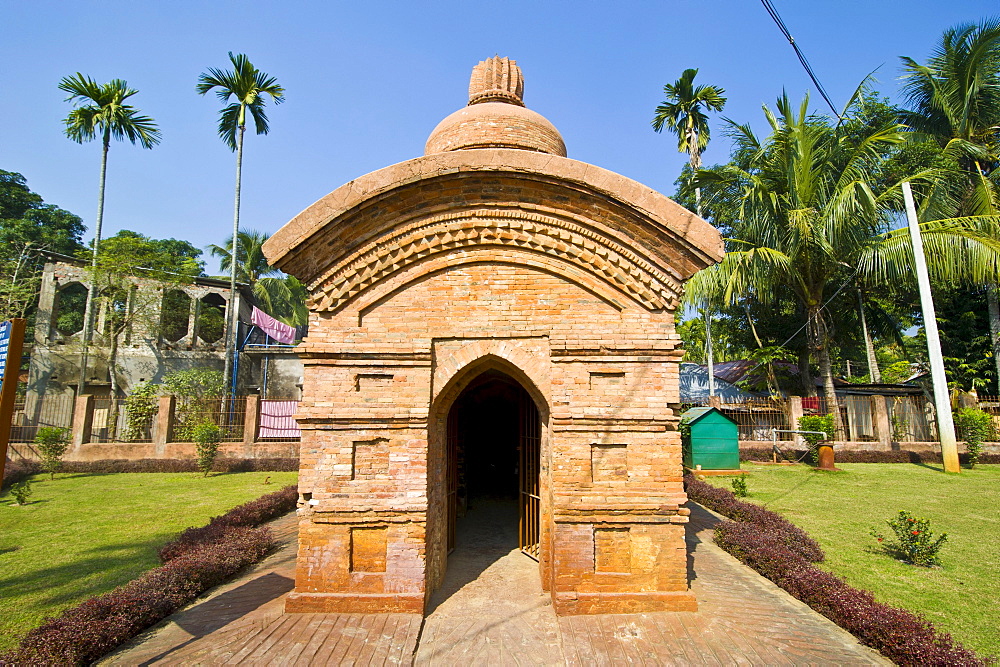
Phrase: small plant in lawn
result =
(915, 543)
(740, 486)
(21, 492)
(52, 443)
(976, 427)
(822, 423)
(207, 437)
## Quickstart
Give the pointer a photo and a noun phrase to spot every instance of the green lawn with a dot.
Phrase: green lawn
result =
(838, 509)
(84, 534)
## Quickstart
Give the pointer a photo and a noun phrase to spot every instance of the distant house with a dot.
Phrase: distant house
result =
(694, 386)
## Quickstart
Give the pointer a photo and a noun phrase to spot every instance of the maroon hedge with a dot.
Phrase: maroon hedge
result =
(198, 560)
(761, 539)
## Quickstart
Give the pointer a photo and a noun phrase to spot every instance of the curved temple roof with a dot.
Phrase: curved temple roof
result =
(641, 242)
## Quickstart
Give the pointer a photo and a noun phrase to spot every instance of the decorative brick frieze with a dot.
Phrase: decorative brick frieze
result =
(594, 253)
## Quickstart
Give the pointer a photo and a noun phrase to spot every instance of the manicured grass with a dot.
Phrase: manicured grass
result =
(84, 534)
(838, 509)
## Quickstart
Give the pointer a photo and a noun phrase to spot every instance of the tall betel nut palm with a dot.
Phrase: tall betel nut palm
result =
(101, 111)
(244, 88)
(683, 113)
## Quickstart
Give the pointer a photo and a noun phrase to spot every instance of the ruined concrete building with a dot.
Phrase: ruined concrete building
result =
(171, 327)
(492, 318)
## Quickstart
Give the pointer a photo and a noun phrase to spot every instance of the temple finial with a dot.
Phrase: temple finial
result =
(497, 79)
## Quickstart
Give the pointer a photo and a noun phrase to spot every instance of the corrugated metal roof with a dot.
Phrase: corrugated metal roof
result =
(694, 414)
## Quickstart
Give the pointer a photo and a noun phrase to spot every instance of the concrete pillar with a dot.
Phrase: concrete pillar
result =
(47, 302)
(163, 427)
(251, 423)
(83, 419)
(880, 420)
(715, 402)
(193, 320)
(794, 409)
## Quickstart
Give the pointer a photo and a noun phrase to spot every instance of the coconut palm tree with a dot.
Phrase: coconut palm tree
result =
(955, 101)
(281, 296)
(100, 111)
(683, 113)
(812, 215)
(248, 88)
(251, 265)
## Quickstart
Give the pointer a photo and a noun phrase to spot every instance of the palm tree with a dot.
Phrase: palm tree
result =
(247, 86)
(251, 265)
(282, 296)
(811, 213)
(683, 113)
(956, 103)
(101, 111)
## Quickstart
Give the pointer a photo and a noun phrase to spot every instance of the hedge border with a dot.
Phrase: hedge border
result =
(21, 469)
(756, 536)
(199, 559)
(765, 455)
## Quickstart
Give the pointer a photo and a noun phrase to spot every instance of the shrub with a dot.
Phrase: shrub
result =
(252, 513)
(740, 486)
(822, 423)
(865, 456)
(18, 471)
(21, 492)
(915, 543)
(52, 443)
(222, 464)
(209, 556)
(140, 408)
(725, 503)
(975, 427)
(207, 437)
(761, 543)
(197, 391)
(82, 634)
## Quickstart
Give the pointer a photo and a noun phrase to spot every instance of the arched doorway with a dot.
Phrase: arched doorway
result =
(493, 456)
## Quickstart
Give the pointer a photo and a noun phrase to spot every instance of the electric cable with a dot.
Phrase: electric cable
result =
(801, 56)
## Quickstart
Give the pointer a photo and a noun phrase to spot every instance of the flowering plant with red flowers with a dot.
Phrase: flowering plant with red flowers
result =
(915, 543)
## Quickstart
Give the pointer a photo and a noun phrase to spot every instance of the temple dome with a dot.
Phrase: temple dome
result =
(496, 116)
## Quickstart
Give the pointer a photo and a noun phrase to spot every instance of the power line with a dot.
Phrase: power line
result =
(798, 52)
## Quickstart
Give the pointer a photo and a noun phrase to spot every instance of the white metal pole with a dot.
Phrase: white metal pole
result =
(942, 401)
(708, 351)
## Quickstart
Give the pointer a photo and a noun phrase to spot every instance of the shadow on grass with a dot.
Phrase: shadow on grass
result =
(104, 561)
(40, 501)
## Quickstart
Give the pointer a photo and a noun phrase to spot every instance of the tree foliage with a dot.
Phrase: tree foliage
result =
(812, 208)
(29, 226)
(281, 296)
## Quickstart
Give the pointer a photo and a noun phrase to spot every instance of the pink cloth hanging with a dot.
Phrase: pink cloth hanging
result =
(279, 331)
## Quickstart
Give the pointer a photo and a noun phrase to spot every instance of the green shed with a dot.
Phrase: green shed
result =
(710, 440)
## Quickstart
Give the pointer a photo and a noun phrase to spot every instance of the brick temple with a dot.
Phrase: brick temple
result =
(492, 318)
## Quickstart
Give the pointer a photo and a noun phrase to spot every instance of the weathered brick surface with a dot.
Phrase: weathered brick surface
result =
(425, 275)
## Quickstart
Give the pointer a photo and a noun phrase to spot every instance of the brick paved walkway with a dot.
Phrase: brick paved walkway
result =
(490, 610)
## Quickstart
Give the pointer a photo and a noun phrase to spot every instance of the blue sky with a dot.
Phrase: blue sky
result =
(367, 82)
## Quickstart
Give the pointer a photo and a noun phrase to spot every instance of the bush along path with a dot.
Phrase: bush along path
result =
(785, 554)
(197, 560)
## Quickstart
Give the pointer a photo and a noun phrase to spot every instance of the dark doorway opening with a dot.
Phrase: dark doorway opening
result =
(493, 460)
